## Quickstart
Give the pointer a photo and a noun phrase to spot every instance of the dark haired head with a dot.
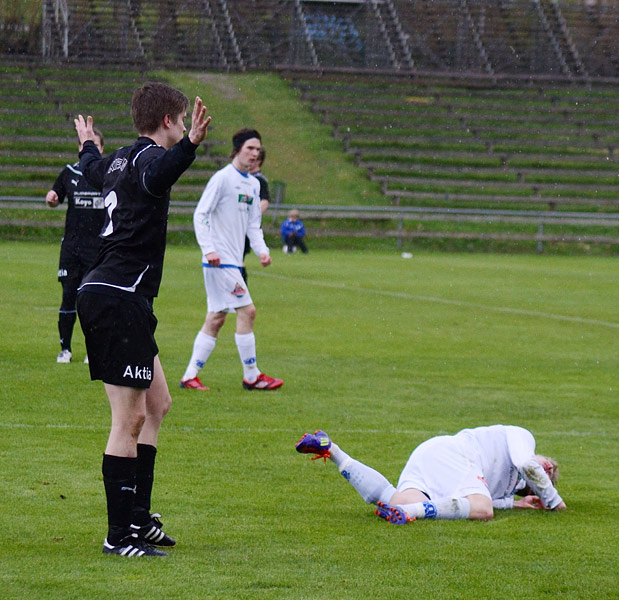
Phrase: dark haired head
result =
(240, 137)
(152, 102)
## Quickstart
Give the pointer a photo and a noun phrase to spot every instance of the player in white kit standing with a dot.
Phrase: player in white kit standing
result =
(229, 210)
(461, 476)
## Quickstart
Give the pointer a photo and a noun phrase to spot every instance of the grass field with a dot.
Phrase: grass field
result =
(379, 351)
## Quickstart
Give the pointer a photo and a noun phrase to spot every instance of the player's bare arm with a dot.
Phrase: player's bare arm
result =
(528, 502)
(199, 122)
(84, 129)
(265, 260)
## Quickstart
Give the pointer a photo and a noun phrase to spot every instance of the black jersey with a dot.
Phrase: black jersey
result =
(136, 182)
(85, 214)
(264, 185)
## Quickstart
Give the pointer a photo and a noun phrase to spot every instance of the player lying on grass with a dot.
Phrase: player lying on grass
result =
(461, 476)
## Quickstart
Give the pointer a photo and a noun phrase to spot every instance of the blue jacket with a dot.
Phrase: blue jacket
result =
(295, 227)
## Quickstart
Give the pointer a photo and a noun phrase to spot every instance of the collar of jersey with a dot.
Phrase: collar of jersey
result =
(240, 172)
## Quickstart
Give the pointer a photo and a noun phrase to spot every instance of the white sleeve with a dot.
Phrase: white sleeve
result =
(540, 483)
(202, 215)
(503, 503)
(521, 448)
(254, 229)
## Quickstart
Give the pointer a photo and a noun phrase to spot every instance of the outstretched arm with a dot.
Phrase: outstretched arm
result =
(91, 163)
(199, 122)
(84, 129)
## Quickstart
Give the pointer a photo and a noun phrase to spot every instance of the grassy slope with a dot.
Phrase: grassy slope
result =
(381, 352)
(300, 150)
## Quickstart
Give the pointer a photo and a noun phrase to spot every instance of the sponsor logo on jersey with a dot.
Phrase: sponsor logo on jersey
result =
(238, 291)
(143, 373)
(119, 164)
(83, 202)
(88, 200)
(246, 199)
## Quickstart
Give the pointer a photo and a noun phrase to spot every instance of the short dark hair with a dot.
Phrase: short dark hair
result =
(240, 137)
(152, 102)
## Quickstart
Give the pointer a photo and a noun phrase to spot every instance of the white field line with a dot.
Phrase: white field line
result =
(288, 432)
(502, 309)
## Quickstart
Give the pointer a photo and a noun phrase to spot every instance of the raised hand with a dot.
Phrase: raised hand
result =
(84, 129)
(199, 122)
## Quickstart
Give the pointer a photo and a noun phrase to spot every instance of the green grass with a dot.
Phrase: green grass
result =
(381, 352)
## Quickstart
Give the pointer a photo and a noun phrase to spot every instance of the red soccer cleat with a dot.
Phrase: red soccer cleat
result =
(264, 382)
(194, 384)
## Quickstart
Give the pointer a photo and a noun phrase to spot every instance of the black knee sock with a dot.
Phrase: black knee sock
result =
(66, 321)
(144, 477)
(119, 482)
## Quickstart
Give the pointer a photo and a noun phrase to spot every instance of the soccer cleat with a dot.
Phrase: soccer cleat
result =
(264, 382)
(395, 515)
(317, 443)
(64, 356)
(152, 533)
(131, 546)
(194, 384)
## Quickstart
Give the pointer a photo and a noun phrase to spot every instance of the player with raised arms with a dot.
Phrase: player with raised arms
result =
(115, 301)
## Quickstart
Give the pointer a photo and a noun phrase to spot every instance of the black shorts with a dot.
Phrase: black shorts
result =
(120, 338)
(75, 262)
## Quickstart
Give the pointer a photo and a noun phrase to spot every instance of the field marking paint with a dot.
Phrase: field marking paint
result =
(502, 309)
(263, 430)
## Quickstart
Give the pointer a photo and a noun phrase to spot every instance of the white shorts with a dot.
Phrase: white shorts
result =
(444, 467)
(225, 289)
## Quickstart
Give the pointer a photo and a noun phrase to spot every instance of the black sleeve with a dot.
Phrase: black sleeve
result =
(59, 186)
(264, 189)
(160, 174)
(92, 165)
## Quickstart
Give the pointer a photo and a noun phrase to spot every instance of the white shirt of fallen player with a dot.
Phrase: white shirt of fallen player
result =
(229, 210)
(493, 461)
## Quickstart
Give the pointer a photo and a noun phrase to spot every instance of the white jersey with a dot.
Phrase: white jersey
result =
(507, 457)
(229, 210)
(495, 461)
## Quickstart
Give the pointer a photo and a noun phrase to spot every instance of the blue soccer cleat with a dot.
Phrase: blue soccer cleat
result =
(317, 443)
(395, 515)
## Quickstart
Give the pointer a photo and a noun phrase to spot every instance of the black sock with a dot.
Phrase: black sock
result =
(144, 477)
(119, 482)
(66, 321)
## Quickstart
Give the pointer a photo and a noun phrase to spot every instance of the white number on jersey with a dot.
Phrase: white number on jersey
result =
(110, 203)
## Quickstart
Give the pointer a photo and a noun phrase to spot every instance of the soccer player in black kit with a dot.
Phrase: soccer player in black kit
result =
(115, 302)
(80, 242)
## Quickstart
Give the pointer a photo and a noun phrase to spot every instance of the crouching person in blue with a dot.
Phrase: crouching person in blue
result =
(293, 233)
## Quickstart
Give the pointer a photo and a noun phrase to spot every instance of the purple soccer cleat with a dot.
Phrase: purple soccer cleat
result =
(317, 443)
(395, 515)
